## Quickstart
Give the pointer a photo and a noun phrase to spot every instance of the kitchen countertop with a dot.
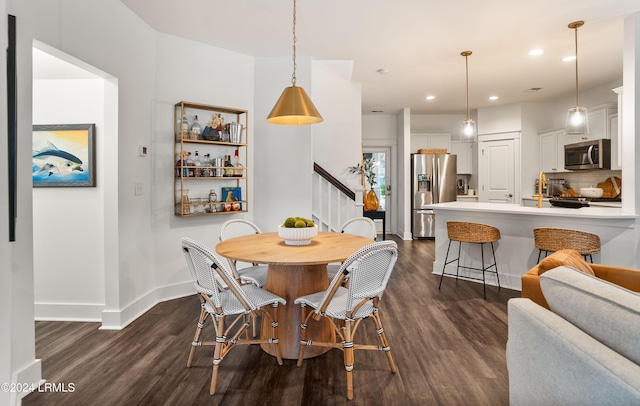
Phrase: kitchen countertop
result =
(586, 212)
(516, 252)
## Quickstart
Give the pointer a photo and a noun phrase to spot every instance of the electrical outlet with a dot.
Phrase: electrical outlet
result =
(137, 189)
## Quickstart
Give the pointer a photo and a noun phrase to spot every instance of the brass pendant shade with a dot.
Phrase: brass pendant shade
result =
(294, 107)
(577, 118)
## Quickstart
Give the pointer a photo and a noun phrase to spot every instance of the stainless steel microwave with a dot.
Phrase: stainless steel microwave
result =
(594, 154)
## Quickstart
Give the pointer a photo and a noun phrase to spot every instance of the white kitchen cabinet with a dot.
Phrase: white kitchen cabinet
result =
(430, 141)
(552, 150)
(616, 158)
(464, 152)
(599, 121)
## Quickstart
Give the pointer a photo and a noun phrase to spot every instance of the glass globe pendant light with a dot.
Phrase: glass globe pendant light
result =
(294, 107)
(577, 119)
(469, 129)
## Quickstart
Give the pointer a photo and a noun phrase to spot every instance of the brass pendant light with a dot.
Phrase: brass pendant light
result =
(469, 130)
(294, 107)
(577, 119)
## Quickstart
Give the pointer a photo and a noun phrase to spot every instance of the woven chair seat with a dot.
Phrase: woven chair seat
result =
(555, 239)
(472, 232)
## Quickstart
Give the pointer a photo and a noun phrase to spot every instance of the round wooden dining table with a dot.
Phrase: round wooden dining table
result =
(294, 271)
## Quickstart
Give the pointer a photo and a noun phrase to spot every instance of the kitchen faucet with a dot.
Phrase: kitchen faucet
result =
(542, 180)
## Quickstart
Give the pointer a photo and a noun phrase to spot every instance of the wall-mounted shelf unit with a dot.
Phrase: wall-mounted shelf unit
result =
(223, 133)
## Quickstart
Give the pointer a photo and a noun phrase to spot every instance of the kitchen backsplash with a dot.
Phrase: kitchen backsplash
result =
(580, 179)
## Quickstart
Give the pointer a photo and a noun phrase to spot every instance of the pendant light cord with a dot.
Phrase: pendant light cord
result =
(466, 62)
(576, 37)
(293, 77)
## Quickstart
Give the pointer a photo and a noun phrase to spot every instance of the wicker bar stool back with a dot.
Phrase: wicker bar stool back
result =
(474, 233)
(550, 239)
(255, 273)
(235, 301)
(369, 270)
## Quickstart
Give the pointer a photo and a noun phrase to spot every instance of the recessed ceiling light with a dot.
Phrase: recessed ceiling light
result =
(536, 52)
(493, 97)
(569, 58)
(430, 97)
(377, 111)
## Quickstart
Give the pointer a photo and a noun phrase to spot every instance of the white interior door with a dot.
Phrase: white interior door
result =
(498, 167)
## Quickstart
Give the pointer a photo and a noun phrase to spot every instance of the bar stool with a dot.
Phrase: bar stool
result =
(550, 239)
(474, 233)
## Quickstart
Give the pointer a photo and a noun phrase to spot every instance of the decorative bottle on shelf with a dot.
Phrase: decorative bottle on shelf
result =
(189, 162)
(196, 130)
(237, 172)
(213, 198)
(184, 127)
(228, 170)
(197, 163)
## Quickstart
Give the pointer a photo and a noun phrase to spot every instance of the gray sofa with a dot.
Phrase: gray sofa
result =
(586, 351)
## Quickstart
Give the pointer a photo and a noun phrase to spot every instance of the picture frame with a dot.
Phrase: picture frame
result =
(64, 155)
(234, 202)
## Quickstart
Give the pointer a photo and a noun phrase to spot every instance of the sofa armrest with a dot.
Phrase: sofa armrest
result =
(531, 287)
(625, 277)
(552, 362)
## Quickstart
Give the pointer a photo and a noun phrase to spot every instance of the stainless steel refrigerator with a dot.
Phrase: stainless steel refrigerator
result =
(433, 180)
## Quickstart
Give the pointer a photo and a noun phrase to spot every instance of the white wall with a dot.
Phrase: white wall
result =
(212, 76)
(337, 140)
(8, 345)
(68, 223)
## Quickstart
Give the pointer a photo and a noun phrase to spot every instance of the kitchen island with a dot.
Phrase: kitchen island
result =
(516, 252)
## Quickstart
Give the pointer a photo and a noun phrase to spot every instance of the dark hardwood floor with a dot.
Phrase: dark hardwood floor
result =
(449, 346)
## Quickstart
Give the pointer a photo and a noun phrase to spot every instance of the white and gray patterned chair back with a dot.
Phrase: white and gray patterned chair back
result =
(369, 270)
(362, 226)
(237, 228)
(209, 269)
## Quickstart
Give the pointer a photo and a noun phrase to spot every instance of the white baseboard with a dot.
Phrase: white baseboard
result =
(68, 312)
(119, 319)
(32, 375)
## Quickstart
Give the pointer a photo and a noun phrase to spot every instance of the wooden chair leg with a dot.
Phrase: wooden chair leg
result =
(196, 338)
(217, 353)
(274, 334)
(303, 335)
(348, 357)
(384, 344)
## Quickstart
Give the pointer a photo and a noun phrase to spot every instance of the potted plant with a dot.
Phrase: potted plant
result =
(366, 170)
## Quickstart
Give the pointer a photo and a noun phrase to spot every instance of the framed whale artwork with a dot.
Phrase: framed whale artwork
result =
(64, 155)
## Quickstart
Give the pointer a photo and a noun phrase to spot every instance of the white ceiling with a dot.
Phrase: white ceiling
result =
(419, 43)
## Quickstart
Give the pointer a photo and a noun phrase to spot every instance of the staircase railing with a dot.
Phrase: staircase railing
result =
(333, 201)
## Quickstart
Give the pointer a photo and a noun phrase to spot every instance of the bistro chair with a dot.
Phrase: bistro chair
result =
(255, 273)
(474, 233)
(362, 226)
(368, 270)
(238, 302)
(549, 239)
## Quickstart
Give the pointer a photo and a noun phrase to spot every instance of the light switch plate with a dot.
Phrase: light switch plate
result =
(137, 189)
(142, 150)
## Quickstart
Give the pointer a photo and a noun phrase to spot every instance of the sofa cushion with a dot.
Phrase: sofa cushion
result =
(607, 312)
(565, 257)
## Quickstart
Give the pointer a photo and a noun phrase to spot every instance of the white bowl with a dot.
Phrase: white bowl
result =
(591, 192)
(297, 236)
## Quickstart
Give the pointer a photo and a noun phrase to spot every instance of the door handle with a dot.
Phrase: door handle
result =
(510, 195)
